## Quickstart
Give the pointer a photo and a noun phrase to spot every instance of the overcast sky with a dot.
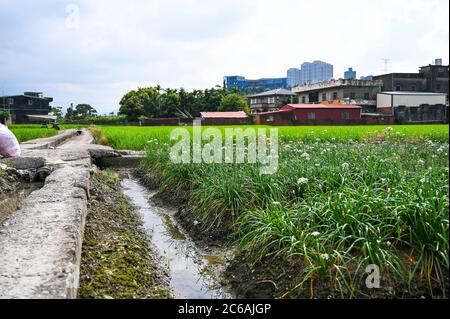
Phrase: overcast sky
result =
(94, 51)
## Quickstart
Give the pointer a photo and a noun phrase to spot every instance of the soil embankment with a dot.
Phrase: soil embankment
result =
(117, 261)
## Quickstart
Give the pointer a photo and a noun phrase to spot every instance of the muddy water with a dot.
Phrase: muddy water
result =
(189, 267)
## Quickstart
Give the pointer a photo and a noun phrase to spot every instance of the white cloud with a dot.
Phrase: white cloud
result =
(194, 43)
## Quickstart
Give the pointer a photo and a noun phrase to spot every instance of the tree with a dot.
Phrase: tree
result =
(82, 111)
(233, 102)
(58, 112)
(70, 114)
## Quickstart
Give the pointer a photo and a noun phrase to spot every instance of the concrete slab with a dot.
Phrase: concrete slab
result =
(40, 244)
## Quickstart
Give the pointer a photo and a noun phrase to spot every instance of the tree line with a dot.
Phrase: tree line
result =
(156, 102)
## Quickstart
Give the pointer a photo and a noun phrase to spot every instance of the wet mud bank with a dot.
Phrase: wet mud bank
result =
(117, 259)
(194, 271)
(214, 251)
(209, 238)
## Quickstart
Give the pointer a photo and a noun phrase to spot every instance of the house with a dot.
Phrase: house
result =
(270, 100)
(311, 114)
(224, 118)
(414, 107)
(358, 92)
(432, 78)
(21, 106)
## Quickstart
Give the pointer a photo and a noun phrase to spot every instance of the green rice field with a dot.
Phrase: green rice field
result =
(135, 138)
(30, 132)
(343, 198)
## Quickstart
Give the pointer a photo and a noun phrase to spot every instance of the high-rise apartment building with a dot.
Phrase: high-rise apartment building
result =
(350, 74)
(293, 77)
(317, 71)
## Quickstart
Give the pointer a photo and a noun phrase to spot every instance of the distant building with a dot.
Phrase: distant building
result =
(224, 118)
(414, 107)
(317, 71)
(363, 93)
(242, 84)
(293, 77)
(367, 78)
(21, 106)
(270, 100)
(311, 114)
(350, 74)
(430, 78)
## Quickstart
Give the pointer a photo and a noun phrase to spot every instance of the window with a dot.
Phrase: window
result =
(366, 96)
(413, 88)
(10, 101)
(270, 118)
(311, 116)
(271, 100)
(398, 87)
(303, 99)
(30, 102)
(345, 116)
(253, 101)
(438, 86)
(324, 96)
(352, 95)
(335, 96)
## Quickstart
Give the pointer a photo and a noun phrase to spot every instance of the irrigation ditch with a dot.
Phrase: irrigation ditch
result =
(169, 261)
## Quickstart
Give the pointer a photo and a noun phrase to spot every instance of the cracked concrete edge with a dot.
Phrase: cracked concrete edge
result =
(40, 247)
(41, 244)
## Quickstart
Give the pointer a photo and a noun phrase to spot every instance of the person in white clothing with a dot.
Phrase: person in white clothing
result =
(9, 146)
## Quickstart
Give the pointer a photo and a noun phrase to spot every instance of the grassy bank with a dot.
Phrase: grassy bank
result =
(340, 201)
(116, 258)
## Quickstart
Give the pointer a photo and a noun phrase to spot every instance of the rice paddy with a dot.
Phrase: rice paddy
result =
(343, 198)
(136, 138)
(30, 132)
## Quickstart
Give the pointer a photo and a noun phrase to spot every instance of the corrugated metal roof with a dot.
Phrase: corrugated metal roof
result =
(273, 92)
(412, 93)
(221, 115)
(320, 106)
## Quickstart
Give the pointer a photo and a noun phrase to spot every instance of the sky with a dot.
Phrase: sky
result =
(94, 51)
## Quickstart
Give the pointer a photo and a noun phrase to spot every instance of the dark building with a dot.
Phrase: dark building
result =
(430, 78)
(29, 103)
(270, 100)
(311, 114)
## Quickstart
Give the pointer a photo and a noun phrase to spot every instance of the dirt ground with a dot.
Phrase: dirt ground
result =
(117, 259)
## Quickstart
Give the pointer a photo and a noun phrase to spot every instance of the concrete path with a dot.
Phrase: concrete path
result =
(40, 244)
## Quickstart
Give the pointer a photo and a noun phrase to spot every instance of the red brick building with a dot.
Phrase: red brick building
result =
(312, 114)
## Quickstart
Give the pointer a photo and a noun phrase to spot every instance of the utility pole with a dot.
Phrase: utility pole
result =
(386, 64)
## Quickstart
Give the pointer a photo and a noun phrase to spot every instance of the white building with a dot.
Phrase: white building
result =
(395, 99)
(414, 107)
